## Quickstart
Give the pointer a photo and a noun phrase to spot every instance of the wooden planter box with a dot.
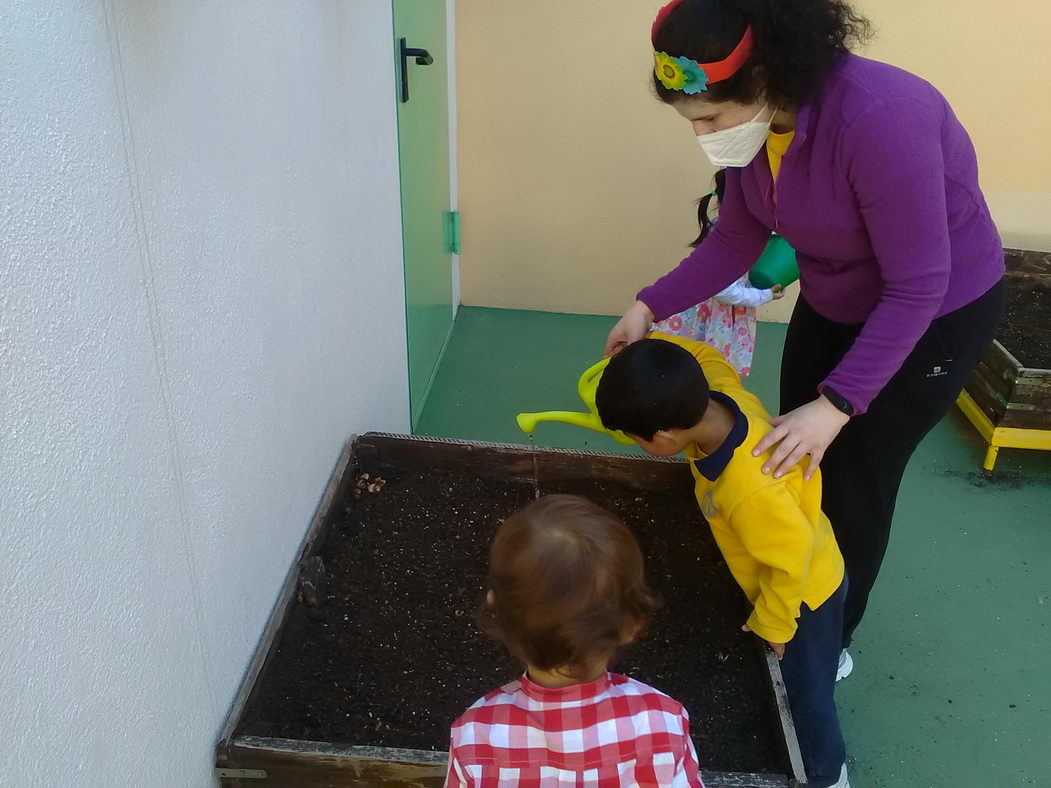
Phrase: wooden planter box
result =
(1008, 403)
(251, 761)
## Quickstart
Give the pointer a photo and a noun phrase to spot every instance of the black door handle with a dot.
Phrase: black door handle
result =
(423, 58)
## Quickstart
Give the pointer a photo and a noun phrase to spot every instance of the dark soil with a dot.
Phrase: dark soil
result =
(393, 655)
(1026, 326)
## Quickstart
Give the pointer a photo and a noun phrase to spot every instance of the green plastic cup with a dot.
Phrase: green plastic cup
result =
(776, 266)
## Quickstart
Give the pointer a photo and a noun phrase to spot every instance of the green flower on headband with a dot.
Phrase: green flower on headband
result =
(669, 71)
(696, 81)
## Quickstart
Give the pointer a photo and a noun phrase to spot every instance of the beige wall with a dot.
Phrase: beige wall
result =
(576, 186)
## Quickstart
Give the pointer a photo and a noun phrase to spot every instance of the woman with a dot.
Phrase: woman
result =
(867, 173)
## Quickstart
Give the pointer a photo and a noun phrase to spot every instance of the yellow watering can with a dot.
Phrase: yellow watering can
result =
(586, 388)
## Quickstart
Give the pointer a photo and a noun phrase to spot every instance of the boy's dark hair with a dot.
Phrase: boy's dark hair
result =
(797, 43)
(567, 584)
(703, 221)
(649, 386)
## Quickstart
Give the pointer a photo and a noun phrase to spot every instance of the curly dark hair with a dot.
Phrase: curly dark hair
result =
(797, 43)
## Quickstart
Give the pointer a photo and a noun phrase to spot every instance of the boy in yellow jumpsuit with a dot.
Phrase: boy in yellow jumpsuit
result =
(674, 395)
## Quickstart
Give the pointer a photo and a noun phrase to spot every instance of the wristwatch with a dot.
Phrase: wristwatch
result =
(839, 401)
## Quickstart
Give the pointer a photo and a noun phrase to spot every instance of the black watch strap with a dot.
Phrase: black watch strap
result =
(837, 399)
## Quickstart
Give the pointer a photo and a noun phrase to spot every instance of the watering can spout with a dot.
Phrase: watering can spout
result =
(587, 387)
(527, 421)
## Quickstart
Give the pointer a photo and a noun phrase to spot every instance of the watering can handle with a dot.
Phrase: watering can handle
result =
(587, 386)
(583, 384)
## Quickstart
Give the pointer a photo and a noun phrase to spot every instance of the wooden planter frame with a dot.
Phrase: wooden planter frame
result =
(1010, 404)
(252, 761)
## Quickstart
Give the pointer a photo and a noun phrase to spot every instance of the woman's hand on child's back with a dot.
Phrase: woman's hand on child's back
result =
(632, 327)
(809, 429)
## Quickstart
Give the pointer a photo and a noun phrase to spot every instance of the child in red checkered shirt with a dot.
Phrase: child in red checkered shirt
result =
(566, 588)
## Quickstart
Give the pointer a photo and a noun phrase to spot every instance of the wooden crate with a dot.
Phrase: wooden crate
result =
(251, 761)
(1009, 394)
(1008, 403)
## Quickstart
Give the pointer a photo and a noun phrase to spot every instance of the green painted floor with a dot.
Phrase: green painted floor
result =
(951, 685)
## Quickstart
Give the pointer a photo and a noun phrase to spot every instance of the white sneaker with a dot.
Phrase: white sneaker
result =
(846, 667)
(842, 782)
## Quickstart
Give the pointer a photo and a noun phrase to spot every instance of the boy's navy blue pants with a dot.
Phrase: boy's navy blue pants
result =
(809, 670)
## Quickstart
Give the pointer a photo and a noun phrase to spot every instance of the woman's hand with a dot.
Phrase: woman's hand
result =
(631, 328)
(806, 430)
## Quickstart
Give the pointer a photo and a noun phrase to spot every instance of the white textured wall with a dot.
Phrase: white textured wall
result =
(200, 299)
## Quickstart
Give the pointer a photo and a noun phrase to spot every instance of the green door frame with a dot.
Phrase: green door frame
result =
(429, 229)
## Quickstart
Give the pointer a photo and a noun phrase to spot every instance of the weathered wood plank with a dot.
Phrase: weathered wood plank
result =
(1030, 398)
(306, 764)
(1001, 362)
(1028, 264)
(290, 763)
(987, 397)
(508, 462)
(742, 780)
(1025, 419)
(298, 747)
(998, 371)
(994, 387)
(788, 738)
(1008, 393)
(999, 380)
(335, 493)
(1033, 382)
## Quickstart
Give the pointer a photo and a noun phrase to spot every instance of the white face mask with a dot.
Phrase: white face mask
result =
(737, 145)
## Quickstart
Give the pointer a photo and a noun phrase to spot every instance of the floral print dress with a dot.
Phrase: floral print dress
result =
(725, 321)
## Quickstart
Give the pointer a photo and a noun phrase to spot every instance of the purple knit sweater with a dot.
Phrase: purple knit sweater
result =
(878, 194)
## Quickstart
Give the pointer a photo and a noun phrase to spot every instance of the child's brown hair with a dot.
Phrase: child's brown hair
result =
(566, 584)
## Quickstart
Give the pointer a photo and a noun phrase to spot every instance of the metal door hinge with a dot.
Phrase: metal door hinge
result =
(241, 774)
(452, 232)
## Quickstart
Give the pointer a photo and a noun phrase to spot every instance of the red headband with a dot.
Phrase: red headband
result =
(721, 69)
(661, 16)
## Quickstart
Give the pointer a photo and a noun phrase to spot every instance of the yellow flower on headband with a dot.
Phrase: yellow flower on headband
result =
(668, 71)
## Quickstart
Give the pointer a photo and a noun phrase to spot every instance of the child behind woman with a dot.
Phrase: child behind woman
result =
(727, 320)
(566, 588)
